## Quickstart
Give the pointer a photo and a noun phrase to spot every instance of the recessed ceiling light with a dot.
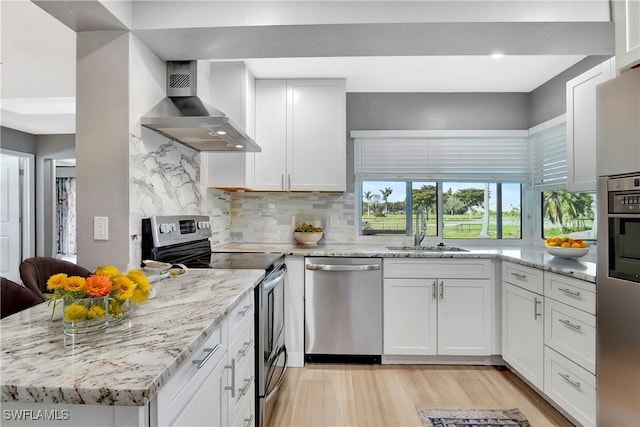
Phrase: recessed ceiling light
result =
(497, 55)
(239, 146)
(221, 132)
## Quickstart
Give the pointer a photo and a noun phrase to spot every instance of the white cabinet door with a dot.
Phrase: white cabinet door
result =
(316, 147)
(232, 92)
(464, 317)
(271, 134)
(581, 126)
(523, 332)
(627, 27)
(208, 406)
(410, 317)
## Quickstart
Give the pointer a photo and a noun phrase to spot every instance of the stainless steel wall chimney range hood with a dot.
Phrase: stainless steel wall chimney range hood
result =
(183, 117)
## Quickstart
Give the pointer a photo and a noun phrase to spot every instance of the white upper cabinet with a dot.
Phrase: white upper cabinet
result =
(233, 93)
(271, 130)
(627, 28)
(581, 126)
(301, 126)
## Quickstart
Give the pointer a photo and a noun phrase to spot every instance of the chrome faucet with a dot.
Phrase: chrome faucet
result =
(421, 228)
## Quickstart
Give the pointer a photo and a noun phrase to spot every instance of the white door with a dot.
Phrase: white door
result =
(10, 248)
(316, 148)
(523, 332)
(271, 134)
(464, 317)
(410, 319)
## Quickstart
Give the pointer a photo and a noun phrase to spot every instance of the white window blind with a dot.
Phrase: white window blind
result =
(419, 158)
(549, 158)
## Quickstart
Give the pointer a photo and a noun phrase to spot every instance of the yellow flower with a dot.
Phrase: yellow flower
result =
(123, 287)
(107, 270)
(75, 312)
(56, 281)
(114, 307)
(74, 284)
(95, 312)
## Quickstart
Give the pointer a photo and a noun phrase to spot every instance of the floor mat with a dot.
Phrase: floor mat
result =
(473, 418)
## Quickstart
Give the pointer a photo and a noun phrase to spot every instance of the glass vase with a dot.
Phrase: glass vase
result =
(84, 315)
(120, 310)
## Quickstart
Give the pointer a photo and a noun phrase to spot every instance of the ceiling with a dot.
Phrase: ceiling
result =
(38, 51)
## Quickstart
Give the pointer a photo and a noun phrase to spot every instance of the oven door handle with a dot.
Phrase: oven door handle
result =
(272, 282)
(282, 374)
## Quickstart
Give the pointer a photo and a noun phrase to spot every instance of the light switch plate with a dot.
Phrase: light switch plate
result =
(100, 228)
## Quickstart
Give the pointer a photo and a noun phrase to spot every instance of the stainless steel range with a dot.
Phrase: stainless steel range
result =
(181, 239)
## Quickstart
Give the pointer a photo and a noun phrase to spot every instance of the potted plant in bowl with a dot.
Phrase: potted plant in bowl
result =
(307, 234)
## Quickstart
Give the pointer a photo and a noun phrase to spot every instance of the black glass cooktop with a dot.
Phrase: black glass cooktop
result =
(238, 260)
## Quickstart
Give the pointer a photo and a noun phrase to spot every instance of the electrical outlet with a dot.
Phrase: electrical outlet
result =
(100, 228)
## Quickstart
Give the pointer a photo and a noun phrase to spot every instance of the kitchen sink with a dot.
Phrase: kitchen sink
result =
(439, 248)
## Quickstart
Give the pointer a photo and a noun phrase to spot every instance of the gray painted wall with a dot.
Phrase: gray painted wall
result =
(102, 145)
(550, 99)
(16, 140)
(436, 111)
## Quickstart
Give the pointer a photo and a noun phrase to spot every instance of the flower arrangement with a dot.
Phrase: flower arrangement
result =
(105, 294)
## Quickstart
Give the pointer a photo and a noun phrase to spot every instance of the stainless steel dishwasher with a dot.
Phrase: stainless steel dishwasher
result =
(343, 310)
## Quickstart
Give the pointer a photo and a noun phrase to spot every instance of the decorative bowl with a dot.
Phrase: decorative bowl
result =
(567, 252)
(307, 238)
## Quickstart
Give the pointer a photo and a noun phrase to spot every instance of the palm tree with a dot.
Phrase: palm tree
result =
(557, 204)
(485, 217)
(385, 198)
(367, 196)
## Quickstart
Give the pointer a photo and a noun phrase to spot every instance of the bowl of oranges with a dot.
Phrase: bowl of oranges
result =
(566, 247)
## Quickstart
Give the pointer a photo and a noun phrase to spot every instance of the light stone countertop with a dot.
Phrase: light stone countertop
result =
(583, 268)
(128, 363)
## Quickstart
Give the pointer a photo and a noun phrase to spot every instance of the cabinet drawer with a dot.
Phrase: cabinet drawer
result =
(523, 276)
(573, 292)
(179, 390)
(571, 332)
(570, 386)
(240, 315)
(425, 268)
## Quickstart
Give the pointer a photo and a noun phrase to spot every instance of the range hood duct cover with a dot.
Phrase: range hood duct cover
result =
(185, 118)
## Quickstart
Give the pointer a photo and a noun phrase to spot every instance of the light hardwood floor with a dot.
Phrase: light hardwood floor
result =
(389, 395)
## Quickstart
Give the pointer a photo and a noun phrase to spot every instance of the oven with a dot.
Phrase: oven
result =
(184, 239)
(623, 223)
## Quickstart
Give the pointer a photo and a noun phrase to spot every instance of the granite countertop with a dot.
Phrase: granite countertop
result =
(126, 364)
(583, 268)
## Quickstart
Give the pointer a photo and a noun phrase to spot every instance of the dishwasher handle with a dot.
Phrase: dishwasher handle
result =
(342, 267)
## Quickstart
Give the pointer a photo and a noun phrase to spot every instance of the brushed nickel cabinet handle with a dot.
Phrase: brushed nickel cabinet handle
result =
(249, 420)
(246, 310)
(570, 292)
(441, 290)
(519, 276)
(247, 383)
(210, 352)
(568, 379)
(232, 387)
(568, 323)
(433, 290)
(245, 348)
(535, 308)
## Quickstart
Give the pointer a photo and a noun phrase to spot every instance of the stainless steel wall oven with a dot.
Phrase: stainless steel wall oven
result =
(623, 222)
(183, 239)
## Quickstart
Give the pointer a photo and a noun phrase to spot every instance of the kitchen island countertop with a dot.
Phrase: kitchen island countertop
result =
(128, 363)
(583, 268)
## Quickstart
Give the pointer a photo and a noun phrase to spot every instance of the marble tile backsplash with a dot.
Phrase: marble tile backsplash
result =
(271, 217)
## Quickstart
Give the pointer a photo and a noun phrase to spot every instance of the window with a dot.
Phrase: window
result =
(465, 215)
(459, 184)
(386, 210)
(567, 213)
